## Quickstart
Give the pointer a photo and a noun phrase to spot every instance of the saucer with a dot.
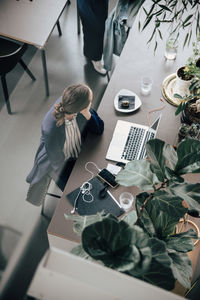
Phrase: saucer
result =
(168, 89)
(125, 92)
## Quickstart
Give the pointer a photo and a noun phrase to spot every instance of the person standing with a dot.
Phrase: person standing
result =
(93, 14)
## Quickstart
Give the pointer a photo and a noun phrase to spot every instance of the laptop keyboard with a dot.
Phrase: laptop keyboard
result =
(150, 135)
(133, 143)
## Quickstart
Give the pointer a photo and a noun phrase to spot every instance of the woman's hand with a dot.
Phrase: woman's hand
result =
(86, 112)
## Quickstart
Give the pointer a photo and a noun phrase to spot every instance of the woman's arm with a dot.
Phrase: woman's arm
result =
(95, 124)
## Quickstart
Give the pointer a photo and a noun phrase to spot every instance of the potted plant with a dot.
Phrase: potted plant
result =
(190, 93)
(143, 243)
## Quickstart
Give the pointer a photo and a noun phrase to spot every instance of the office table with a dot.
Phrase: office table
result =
(31, 22)
(136, 60)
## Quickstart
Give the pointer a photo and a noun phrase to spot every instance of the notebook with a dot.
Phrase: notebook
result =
(108, 204)
(129, 140)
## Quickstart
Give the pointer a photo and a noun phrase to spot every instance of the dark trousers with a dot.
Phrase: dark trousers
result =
(93, 14)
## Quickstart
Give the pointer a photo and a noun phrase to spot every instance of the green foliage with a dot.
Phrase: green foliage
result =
(117, 245)
(144, 244)
(191, 70)
(179, 15)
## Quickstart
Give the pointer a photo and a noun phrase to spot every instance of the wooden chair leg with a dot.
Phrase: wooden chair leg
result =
(24, 66)
(59, 28)
(5, 91)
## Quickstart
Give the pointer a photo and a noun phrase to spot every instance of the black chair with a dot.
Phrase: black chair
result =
(10, 54)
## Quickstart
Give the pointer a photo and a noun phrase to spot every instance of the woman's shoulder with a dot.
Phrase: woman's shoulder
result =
(49, 122)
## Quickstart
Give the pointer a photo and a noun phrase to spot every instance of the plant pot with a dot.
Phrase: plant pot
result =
(190, 115)
(182, 83)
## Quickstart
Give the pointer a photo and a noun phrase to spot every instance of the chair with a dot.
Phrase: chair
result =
(37, 193)
(9, 238)
(10, 54)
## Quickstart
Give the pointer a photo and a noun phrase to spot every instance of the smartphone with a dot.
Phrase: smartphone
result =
(107, 177)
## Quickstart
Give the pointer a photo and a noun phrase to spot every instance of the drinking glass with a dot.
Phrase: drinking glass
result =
(126, 200)
(171, 48)
(146, 85)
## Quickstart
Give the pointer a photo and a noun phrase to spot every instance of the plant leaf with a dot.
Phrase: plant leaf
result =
(186, 20)
(178, 96)
(180, 108)
(138, 173)
(159, 252)
(165, 7)
(182, 242)
(171, 155)
(188, 152)
(110, 242)
(169, 204)
(130, 218)
(158, 275)
(182, 268)
(172, 176)
(155, 153)
(80, 222)
(188, 192)
(155, 221)
(145, 219)
(116, 244)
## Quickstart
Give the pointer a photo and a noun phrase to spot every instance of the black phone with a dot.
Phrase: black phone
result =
(107, 177)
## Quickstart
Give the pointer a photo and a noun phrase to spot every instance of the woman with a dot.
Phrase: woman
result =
(93, 14)
(63, 129)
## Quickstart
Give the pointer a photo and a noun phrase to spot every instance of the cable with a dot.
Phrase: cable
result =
(155, 109)
(86, 168)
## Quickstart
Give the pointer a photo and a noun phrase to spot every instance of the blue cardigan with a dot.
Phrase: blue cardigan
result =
(50, 156)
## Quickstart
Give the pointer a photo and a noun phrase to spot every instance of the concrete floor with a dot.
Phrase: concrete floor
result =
(20, 133)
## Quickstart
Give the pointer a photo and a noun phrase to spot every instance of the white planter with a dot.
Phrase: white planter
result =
(182, 86)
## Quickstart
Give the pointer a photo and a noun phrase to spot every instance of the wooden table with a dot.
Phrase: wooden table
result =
(31, 22)
(136, 61)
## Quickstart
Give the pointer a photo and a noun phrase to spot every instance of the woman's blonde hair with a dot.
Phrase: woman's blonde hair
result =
(74, 99)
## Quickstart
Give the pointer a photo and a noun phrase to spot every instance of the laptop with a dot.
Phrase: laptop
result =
(129, 141)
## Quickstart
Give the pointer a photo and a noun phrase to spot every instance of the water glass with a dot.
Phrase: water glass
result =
(146, 85)
(171, 48)
(126, 200)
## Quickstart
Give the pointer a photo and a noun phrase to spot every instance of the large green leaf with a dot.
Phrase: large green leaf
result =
(182, 242)
(181, 267)
(80, 222)
(138, 173)
(188, 152)
(145, 219)
(157, 274)
(153, 220)
(172, 176)
(171, 155)
(169, 204)
(116, 244)
(130, 218)
(110, 242)
(159, 252)
(141, 241)
(155, 153)
(188, 192)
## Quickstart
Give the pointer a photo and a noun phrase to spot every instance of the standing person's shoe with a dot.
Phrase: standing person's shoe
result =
(99, 67)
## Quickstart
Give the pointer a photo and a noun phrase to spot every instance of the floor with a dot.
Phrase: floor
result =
(20, 133)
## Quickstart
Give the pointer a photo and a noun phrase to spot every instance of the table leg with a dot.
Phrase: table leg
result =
(78, 20)
(59, 28)
(45, 71)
